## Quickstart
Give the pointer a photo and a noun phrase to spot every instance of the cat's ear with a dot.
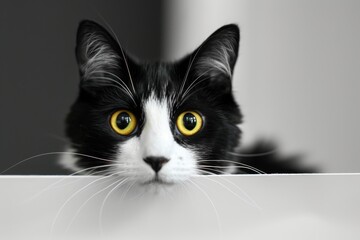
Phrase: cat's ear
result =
(218, 53)
(95, 49)
(99, 56)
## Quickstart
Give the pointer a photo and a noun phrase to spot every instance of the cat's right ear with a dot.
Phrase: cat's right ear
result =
(95, 49)
(99, 56)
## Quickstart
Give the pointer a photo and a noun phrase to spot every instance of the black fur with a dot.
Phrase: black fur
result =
(88, 121)
(264, 156)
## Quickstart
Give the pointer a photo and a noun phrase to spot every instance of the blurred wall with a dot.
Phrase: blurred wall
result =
(297, 78)
(39, 75)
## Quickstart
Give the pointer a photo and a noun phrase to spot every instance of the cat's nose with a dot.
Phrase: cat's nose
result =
(156, 163)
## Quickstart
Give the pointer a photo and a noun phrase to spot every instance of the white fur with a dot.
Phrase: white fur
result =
(156, 140)
(98, 55)
(68, 160)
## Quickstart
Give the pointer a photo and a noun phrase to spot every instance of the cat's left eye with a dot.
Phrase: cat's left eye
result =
(189, 123)
(123, 122)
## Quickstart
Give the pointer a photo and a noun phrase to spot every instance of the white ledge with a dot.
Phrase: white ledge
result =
(306, 206)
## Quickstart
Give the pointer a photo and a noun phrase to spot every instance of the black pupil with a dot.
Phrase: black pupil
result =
(189, 121)
(123, 120)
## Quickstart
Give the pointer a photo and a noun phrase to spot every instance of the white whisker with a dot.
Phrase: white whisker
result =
(54, 153)
(106, 198)
(71, 197)
(194, 83)
(247, 200)
(51, 186)
(210, 167)
(233, 162)
(253, 154)
(188, 70)
(122, 83)
(189, 94)
(213, 206)
(121, 49)
(119, 85)
(214, 168)
(84, 203)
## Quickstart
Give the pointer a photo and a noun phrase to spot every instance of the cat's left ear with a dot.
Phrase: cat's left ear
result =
(217, 55)
(101, 60)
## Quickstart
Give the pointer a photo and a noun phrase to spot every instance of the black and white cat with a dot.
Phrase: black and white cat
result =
(159, 122)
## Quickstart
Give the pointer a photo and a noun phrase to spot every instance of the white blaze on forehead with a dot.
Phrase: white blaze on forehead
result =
(156, 136)
(156, 140)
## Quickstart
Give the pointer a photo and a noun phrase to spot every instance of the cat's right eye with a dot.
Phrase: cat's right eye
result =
(123, 122)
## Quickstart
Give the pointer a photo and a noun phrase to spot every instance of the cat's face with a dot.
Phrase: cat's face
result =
(153, 122)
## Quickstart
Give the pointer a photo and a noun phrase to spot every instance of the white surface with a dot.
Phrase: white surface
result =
(289, 207)
(297, 78)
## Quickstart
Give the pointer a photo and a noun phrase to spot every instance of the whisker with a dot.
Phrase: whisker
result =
(188, 70)
(90, 173)
(121, 49)
(213, 206)
(84, 203)
(116, 76)
(247, 200)
(71, 197)
(191, 93)
(253, 154)
(188, 192)
(106, 198)
(54, 153)
(235, 163)
(190, 65)
(65, 177)
(185, 78)
(194, 83)
(57, 137)
(238, 167)
(119, 85)
(213, 168)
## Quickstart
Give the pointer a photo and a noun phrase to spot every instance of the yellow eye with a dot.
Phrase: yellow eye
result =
(189, 123)
(123, 122)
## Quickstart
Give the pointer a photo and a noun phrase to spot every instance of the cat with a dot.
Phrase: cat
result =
(160, 122)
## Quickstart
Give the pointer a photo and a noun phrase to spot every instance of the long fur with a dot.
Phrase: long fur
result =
(201, 81)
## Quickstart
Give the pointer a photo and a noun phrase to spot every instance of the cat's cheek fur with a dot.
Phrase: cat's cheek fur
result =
(68, 160)
(156, 140)
(130, 163)
(182, 164)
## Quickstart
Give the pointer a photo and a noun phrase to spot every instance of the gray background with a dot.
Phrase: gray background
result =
(39, 75)
(297, 78)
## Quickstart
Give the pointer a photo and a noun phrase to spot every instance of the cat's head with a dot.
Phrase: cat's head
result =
(153, 122)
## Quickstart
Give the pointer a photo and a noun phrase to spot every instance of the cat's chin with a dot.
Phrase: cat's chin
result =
(155, 186)
(157, 181)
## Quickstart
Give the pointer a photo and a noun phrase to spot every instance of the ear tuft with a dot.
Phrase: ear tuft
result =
(219, 52)
(96, 50)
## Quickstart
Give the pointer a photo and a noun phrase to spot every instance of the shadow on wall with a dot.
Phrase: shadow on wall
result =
(39, 76)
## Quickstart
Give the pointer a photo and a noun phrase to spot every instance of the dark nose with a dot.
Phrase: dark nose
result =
(156, 163)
